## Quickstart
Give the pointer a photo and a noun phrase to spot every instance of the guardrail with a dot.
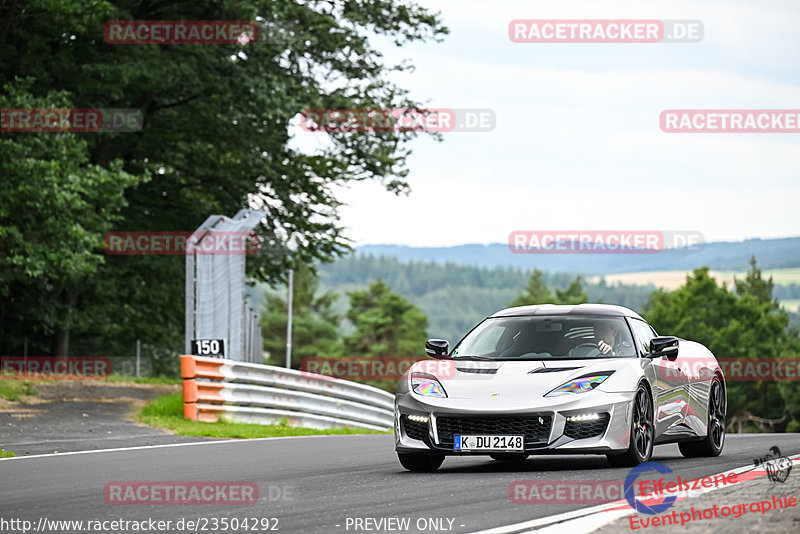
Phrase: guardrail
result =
(265, 394)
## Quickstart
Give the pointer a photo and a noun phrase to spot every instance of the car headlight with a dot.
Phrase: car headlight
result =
(580, 385)
(427, 385)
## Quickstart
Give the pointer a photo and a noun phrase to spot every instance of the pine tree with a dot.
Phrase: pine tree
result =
(536, 292)
(386, 324)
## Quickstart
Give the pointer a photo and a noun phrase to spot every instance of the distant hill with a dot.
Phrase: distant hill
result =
(456, 297)
(728, 256)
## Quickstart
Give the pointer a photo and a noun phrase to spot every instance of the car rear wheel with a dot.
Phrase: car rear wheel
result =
(510, 457)
(642, 433)
(712, 444)
(420, 462)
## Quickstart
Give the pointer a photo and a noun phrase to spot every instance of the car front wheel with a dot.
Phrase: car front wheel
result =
(642, 433)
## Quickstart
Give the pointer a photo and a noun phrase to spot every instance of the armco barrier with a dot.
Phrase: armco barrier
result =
(265, 394)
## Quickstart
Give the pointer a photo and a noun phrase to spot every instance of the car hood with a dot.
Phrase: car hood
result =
(470, 379)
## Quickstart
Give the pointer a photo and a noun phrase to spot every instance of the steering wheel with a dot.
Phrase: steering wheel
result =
(584, 345)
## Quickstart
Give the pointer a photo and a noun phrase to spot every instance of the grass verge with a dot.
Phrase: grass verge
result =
(14, 390)
(167, 412)
(6, 454)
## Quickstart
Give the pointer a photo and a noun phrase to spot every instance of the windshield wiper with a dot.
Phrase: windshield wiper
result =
(482, 358)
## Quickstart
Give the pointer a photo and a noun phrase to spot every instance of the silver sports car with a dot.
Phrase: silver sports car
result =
(587, 379)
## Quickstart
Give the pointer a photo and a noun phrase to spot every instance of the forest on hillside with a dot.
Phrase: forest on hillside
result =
(455, 296)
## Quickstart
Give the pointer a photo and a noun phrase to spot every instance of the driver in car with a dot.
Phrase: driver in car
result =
(606, 335)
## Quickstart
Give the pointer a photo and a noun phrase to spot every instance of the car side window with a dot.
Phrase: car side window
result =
(643, 334)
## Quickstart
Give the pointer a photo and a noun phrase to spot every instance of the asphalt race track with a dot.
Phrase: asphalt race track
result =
(315, 484)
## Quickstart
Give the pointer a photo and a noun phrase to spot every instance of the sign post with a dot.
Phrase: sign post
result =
(289, 321)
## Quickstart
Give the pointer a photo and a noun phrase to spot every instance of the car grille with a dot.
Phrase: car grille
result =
(587, 429)
(414, 429)
(535, 429)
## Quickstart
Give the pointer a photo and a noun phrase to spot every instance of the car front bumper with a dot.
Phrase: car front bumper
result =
(544, 422)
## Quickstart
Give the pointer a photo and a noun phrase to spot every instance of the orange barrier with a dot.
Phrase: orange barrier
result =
(208, 413)
(200, 367)
(195, 392)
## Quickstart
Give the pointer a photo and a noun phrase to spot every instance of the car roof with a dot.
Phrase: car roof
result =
(574, 310)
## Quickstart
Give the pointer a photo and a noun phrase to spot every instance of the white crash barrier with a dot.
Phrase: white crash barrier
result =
(265, 394)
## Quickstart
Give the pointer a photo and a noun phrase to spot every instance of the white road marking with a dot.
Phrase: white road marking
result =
(139, 447)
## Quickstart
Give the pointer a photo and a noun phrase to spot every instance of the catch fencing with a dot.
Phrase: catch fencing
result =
(216, 307)
(265, 394)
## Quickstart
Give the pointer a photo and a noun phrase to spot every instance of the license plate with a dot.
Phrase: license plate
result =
(488, 443)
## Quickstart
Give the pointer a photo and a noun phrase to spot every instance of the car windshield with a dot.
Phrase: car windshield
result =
(547, 337)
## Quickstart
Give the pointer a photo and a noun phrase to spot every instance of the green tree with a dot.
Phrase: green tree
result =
(745, 324)
(217, 137)
(55, 206)
(573, 294)
(755, 287)
(386, 324)
(536, 292)
(753, 284)
(455, 296)
(314, 323)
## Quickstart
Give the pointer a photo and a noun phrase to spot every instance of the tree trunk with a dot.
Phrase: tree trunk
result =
(61, 337)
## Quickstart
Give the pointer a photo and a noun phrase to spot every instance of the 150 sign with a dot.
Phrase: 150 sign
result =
(209, 347)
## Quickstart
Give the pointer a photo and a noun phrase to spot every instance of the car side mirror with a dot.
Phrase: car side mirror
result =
(437, 348)
(664, 346)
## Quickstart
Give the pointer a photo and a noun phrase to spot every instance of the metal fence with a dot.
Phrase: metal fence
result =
(128, 365)
(216, 307)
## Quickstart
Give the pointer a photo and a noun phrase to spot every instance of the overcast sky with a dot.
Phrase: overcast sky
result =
(577, 143)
